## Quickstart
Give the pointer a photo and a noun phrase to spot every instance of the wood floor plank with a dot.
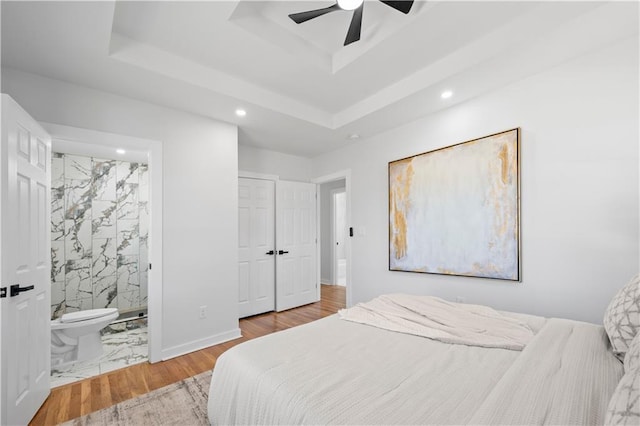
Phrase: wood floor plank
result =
(100, 391)
(156, 376)
(119, 385)
(85, 397)
(77, 399)
(137, 383)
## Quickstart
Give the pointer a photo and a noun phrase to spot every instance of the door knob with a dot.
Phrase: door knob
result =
(15, 289)
(270, 252)
(282, 252)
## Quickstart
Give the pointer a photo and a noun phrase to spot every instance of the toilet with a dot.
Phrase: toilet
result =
(76, 336)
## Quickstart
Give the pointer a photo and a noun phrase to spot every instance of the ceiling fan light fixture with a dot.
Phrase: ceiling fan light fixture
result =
(349, 4)
(355, 27)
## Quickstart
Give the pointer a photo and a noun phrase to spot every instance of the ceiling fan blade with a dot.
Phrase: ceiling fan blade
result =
(403, 6)
(301, 17)
(354, 28)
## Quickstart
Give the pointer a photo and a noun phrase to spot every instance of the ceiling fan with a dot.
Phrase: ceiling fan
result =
(353, 34)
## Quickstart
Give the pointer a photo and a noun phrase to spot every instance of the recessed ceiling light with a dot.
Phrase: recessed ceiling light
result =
(353, 136)
(121, 151)
(349, 4)
(446, 94)
(240, 112)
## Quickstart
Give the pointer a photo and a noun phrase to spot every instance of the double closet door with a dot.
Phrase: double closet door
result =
(277, 245)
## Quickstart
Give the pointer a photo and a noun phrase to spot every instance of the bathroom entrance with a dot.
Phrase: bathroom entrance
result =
(99, 255)
(100, 249)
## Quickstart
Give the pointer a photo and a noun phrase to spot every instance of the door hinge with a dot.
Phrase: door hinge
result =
(149, 266)
(3, 292)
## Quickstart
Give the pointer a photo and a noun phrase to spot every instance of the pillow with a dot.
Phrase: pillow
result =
(622, 317)
(632, 358)
(624, 407)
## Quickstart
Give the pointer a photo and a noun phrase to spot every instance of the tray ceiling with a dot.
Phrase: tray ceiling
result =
(303, 91)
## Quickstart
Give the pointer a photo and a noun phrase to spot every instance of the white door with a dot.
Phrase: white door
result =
(25, 247)
(339, 237)
(296, 244)
(256, 232)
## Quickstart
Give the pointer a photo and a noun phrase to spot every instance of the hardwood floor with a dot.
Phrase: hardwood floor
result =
(77, 399)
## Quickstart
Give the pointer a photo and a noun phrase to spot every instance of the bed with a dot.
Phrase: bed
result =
(334, 371)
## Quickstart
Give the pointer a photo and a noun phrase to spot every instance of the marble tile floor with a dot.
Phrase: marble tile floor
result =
(124, 344)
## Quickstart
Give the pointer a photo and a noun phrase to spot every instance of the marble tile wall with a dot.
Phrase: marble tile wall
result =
(99, 230)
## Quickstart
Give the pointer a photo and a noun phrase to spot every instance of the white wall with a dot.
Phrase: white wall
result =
(285, 166)
(580, 193)
(199, 198)
(326, 239)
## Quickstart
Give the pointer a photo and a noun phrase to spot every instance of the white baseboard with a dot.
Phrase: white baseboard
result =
(196, 345)
(325, 281)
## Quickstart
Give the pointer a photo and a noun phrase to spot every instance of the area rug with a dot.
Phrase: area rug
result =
(182, 403)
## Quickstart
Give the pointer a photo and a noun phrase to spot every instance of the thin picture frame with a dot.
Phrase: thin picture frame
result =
(466, 197)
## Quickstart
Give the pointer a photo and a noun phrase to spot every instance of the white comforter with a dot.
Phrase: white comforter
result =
(338, 372)
(435, 318)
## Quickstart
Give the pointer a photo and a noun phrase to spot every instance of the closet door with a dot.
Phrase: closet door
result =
(296, 241)
(256, 246)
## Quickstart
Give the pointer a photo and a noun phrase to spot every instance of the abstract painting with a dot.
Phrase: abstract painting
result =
(456, 210)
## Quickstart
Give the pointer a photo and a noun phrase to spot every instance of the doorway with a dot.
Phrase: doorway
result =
(334, 230)
(145, 274)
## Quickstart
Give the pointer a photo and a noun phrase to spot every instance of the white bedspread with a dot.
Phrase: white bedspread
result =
(339, 372)
(565, 376)
(435, 318)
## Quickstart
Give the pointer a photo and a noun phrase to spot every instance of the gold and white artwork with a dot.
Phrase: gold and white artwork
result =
(455, 210)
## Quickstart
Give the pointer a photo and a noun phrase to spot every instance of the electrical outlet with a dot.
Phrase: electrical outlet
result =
(203, 312)
(459, 299)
